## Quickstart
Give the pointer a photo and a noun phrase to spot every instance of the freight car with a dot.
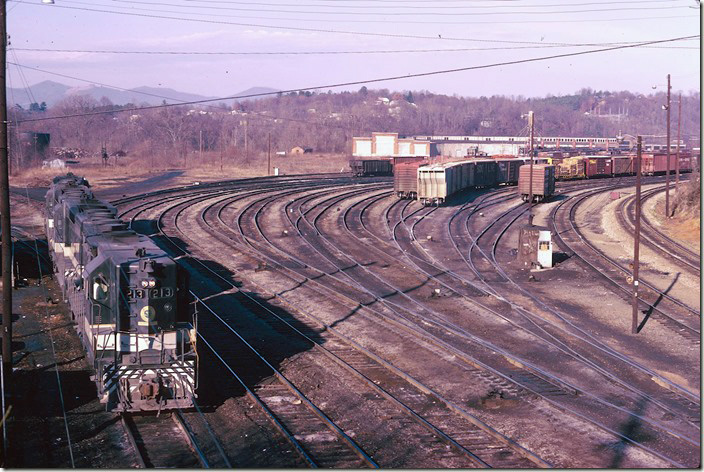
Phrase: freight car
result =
(543, 185)
(597, 166)
(507, 171)
(371, 167)
(406, 179)
(129, 300)
(436, 183)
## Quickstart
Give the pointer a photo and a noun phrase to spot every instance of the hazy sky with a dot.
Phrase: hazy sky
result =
(486, 31)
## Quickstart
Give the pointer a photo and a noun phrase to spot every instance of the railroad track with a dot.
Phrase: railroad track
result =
(480, 438)
(314, 218)
(656, 239)
(680, 318)
(163, 442)
(309, 224)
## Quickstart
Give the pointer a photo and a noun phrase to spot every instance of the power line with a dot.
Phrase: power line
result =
(383, 79)
(322, 53)
(398, 13)
(395, 4)
(295, 28)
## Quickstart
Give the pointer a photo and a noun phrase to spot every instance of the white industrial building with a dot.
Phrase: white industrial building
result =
(389, 145)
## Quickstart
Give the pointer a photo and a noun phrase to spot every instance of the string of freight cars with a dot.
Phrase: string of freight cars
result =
(294, 28)
(369, 81)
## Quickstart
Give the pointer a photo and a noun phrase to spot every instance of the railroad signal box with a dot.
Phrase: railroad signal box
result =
(535, 247)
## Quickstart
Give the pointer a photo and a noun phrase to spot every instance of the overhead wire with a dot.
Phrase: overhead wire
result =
(434, 6)
(382, 79)
(400, 13)
(297, 28)
(312, 53)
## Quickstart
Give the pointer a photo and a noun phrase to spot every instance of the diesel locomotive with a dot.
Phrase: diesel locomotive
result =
(129, 300)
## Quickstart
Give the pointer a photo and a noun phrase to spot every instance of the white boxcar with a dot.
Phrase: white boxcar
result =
(438, 182)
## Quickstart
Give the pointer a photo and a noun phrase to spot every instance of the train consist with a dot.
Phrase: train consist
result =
(435, 183)
(129, 300)
(588, 167)
(432, 183)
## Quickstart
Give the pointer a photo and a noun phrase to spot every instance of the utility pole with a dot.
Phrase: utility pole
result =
(268, 159)
(530, 184)
(245, 140)
(679, 123)
(5, 225)
(200, 146)
(636, 242)
(667, 174)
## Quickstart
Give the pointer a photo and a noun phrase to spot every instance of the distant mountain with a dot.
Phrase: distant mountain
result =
(53, 92)
(47, 91)
(255, 91)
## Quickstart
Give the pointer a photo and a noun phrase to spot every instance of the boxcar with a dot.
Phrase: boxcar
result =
(597, 166)
(543, 182)
(436, 183)
(507, 171)
(406, 179)
(622, 165)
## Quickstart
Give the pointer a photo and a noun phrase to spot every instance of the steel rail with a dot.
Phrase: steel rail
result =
(570, 226)
(507, 354)
(317, 412)
(330, 329)
(297, 219)
(656, 239)
(583, 239)
(577, 356)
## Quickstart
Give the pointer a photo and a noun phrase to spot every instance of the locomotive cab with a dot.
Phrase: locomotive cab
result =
(135, 315)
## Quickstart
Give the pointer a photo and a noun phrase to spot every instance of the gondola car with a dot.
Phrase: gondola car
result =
(129, 300)
(371, 167)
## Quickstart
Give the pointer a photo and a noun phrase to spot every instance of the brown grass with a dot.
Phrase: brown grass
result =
(134, 169)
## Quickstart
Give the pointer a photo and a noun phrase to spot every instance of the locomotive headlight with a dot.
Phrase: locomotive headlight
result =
(145, 283)
(168, 307)
(152, 283)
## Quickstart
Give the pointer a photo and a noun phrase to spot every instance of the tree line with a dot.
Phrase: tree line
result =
(325, 121)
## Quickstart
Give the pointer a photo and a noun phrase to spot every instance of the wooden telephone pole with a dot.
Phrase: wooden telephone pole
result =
(667, 174)
(531, 120)
(636, 242)
(5, 225)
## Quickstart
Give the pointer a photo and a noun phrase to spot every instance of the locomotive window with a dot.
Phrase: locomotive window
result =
(100, 289)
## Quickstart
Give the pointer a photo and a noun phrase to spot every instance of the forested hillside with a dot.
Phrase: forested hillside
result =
(325, 122)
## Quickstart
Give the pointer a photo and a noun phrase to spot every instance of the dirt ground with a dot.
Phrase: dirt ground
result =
(118, 176)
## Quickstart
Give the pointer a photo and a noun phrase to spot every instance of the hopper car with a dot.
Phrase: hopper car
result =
(129, 300)
(371, 167)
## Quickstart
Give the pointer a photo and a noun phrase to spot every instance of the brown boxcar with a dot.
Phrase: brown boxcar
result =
(406, 179)
(597, 166)
(543, 182)
(622, 165)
